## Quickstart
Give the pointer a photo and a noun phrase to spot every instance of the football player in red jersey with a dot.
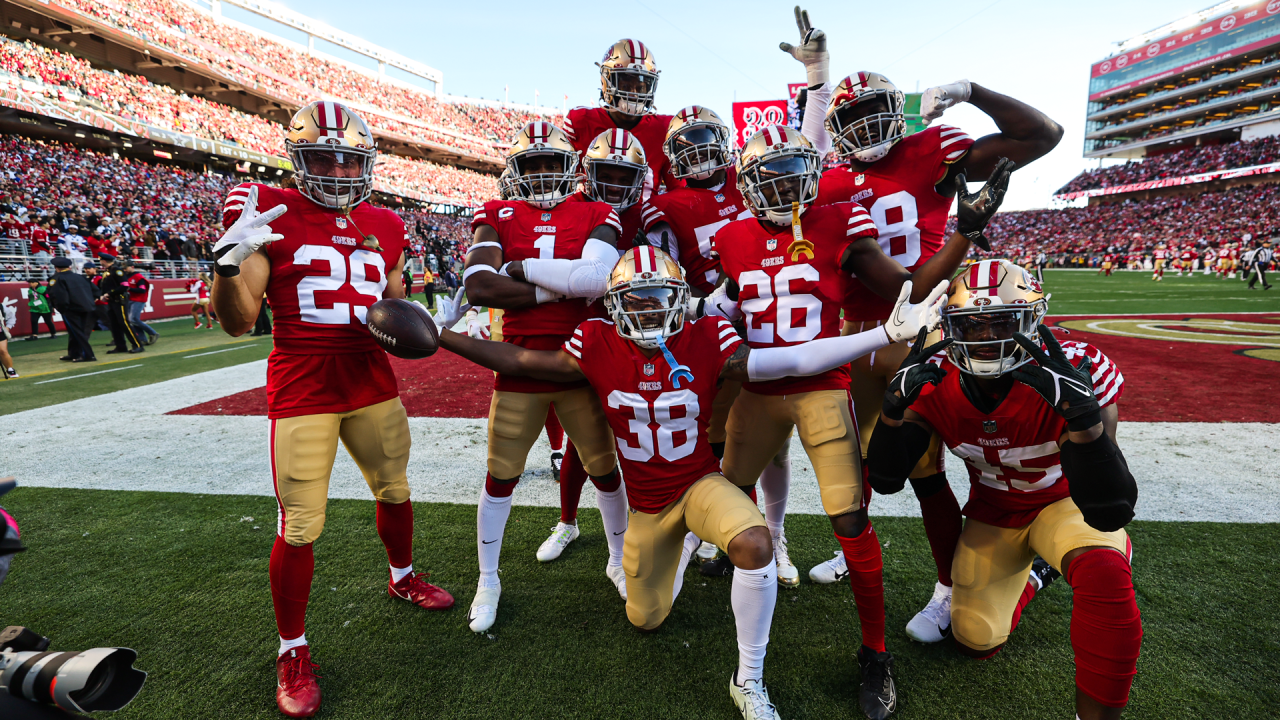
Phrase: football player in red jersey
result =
(541, 259)
(907, 183)
(628, 82)
(1035, 423)
(790, 268)
(322, 255)
(659, 410)
(1159, 257)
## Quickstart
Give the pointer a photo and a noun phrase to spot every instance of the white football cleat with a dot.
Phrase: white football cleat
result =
(833, 570)
(561, 535)
(788, 575)
(752, 699)
(707, 551)
(619, 578)
(484, 608)
(933, 623)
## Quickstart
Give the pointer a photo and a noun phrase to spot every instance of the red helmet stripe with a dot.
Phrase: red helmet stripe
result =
(993, 277)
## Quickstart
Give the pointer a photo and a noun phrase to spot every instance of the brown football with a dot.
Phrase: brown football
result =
(402, 329)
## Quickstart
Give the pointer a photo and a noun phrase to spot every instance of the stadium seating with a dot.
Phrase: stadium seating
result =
(1181, 163)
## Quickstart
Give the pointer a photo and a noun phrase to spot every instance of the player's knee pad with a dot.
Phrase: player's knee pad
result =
(977, 631)
(647, 619)
(1106, 627)
(301, 524)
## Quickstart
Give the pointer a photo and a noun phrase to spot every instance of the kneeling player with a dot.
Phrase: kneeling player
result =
(1035, 423)
(660, 410)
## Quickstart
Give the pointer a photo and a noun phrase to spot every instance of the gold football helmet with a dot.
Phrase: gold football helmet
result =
(543, 165)
(697, 143)
(646, 296)
(333, 152)
(614, 169)
(777, 167)
(628, 77)
(506, 189)
(865, 117)
(986, 304)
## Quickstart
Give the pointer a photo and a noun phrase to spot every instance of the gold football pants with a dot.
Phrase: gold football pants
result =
(516, 419)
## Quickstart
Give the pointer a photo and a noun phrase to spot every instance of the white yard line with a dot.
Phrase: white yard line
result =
(1221, 472)
(100, 372)
(215, 352)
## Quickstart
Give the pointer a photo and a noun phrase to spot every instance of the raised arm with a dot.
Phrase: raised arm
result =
(508, 359)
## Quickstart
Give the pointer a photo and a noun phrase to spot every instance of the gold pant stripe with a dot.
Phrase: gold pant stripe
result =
(516, 420)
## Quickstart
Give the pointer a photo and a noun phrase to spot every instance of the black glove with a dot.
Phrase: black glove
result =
(914, 373)
(974, 211)
(1068, 389)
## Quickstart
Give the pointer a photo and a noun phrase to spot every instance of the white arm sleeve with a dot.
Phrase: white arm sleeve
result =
(662, 237)
(586, 278)
(815, 116)
(813, 357)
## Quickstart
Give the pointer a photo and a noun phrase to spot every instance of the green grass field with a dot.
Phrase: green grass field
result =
(1078, 292)
(183, 580)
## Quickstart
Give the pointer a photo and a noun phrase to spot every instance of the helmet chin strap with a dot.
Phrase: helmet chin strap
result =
(678, 372)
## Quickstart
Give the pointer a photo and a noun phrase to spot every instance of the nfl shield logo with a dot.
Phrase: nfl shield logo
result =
(859, 179)
(989, 426)
(342, 223)
(772, 244)
(546, 217)
(648, 369)
(719, 197)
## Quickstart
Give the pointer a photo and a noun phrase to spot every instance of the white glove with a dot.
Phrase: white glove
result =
(249, 233)
(812, 50)
(717, 303)
(451, 310)
(476, 328)
(936, 100)
(907, 319)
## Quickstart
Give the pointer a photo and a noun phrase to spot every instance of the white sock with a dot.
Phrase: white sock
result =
(753, 597)
(491, 522)
(287, 645)
(398, 573)
(613, 513)
(691, 543)
(775, 482)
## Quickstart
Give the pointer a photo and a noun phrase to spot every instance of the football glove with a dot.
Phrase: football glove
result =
(915, 372)
(936, 100)
(717, 303)
(975, 210)
(475, 328)
(907, 320)
(246, 235)
(812, 50)
(1067, 388)
(451, 310)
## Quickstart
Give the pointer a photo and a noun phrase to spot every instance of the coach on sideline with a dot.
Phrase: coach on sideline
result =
(73, 296)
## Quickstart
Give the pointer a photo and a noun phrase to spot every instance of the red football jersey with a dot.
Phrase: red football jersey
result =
(630, 220)
(584, 125)
(15, 230)
(899, 192)
(39, 240)
(695, 214)
(1011, 453)
(793, 295)
(1159, 254)
(661, 431)
(324, 277)
(526, 232)
(198, 287)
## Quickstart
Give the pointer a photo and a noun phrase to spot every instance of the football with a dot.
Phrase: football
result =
(403, 329)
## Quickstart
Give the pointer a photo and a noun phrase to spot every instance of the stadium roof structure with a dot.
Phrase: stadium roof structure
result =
(1207, 78)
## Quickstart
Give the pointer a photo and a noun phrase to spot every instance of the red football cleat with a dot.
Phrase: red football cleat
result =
(297, 693)
(414, 588)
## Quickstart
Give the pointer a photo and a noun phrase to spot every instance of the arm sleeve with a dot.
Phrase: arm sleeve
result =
(1100, 482)
(815, 116)
(587, 277)
(892, 453)
(813, 357)
(235, 201)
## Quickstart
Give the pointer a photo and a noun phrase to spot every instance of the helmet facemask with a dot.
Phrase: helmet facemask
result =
(983, 343)
(867, 128)
(780, 179)
(647, 310)
(543, 177)
(629, 91)
(336, 177)
(617, 183)
(699, 151)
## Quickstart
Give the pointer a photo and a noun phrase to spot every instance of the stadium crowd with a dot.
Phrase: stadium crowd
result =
(1165, 89)
(293, 74)
(1189, 161)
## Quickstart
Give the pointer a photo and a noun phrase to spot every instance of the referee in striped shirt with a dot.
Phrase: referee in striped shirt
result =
(1259, 261)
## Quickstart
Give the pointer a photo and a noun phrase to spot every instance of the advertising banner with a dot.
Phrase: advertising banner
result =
(1173, 182)
(168, 298)
(750, 117)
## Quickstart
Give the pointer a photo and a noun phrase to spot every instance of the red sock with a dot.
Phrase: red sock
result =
(1028, 592)
(607, 483)
(291, 569)
(555, 433)
(572, 477)
(862, 555)
(751, 493)
(395, 527)
(942, 525)
(1106, 627)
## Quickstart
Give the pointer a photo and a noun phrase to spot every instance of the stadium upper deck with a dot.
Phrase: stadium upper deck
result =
(1208, 78)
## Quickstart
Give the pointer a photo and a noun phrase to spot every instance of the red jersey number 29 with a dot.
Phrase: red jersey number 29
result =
(357, 276)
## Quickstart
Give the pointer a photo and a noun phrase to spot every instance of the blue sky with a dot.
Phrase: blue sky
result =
(712, 54)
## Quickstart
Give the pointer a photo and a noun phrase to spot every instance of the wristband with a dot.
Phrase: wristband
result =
(1085, 421)
(226, 270)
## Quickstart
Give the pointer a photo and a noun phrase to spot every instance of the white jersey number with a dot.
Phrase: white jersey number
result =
(993, 464)
(778, 287)
(658, 412)
(340, 312)
(896, 217)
